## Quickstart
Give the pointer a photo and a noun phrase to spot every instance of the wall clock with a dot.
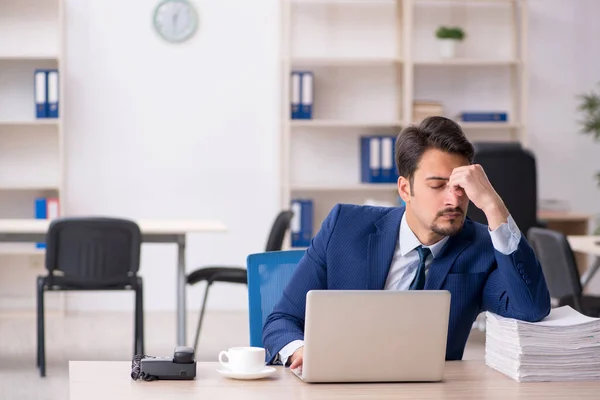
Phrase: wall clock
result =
(175, 20)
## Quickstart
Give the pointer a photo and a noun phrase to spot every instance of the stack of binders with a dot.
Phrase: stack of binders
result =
(46, 93)
(302, 222)
(302, 94)
(377, 159)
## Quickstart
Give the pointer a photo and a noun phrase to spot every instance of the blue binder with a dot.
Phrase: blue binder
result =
(295, 83)
(387, 159)
(53, 93)
(40, 93)
(484, 117)
(302, 222)
(306, 95)
(370, 159)
(41, 212)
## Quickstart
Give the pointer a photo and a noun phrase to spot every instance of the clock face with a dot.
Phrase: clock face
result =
(175, 20)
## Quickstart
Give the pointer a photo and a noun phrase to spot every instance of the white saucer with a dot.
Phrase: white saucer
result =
(243, 375)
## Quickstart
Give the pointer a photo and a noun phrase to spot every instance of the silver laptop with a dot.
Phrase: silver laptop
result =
(375, 336)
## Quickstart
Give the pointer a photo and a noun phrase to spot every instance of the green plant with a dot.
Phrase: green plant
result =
(450, 32)
(589, 106)
(590, 124)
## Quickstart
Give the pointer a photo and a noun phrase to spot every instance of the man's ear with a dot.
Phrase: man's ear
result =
(404, 189)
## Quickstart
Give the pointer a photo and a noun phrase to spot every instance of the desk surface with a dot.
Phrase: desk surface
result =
(563, 216)
(462, 380)
(585, 244)
(147, 226)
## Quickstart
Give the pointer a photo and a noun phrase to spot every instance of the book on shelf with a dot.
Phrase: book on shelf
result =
(423, 109)
(301, 93)
(377, 159)
(302, 222)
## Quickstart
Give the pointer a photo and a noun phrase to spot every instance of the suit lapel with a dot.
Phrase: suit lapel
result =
(382, 245)
(440, 266)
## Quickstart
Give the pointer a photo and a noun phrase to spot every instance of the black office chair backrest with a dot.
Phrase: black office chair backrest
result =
(511, 170)
(93, 249)
(558, 263)
(278, 230)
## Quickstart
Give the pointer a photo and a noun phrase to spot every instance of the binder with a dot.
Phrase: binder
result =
(53, 91)
(395, 174)
(387, 159)
(370, 159)
(295, 94)
(306, 95)
(302, 223)
(40, 87)
(41, 212)
(484, 117)
(46, 208)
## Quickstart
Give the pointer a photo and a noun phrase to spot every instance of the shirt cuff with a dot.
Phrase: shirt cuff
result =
(288, 350)
(506, 237)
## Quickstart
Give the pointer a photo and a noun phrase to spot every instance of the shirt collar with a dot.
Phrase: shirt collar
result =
(409, 242)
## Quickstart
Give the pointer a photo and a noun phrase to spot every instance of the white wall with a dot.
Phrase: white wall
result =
(155, 130)
(564, 62)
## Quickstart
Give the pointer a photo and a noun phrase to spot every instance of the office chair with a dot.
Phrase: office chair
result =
(91, 254)
(560, 270)
(212, 274)
(268, 275)
(511, 170)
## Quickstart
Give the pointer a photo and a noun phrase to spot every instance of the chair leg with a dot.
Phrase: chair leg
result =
(201, 318)
(41, 351)
(139, 317)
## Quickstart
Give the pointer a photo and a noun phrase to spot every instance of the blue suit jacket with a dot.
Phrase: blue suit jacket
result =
(354, 251)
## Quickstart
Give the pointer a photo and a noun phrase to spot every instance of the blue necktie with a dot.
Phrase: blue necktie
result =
(418, 282)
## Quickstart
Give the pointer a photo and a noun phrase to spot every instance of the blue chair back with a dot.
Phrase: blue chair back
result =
(268, 275)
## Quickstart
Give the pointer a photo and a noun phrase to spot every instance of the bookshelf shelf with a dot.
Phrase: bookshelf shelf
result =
(32, 123)
(466, 62)
(359, 187)
(302, 62)
(344, 124)
(377, 66)
(19, 249)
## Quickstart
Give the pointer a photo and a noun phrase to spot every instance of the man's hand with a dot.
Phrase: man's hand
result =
(296, 358)
(472, 181)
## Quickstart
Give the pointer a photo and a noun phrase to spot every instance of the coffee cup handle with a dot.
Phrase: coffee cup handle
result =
(223, 363)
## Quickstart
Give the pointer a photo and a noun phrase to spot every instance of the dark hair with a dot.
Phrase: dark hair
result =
(433, 133)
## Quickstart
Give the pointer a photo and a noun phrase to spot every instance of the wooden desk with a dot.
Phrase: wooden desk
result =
(153, 231)
(569, 223)
(587, 244)
(89, 380)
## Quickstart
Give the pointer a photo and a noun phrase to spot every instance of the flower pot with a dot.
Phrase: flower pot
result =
(447, 47)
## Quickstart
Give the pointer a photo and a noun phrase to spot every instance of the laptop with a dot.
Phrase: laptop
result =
(375, 336)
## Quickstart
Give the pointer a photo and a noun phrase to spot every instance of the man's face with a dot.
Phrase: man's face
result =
(432, 203)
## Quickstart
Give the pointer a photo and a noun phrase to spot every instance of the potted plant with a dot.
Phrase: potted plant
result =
(448, 37)
(589, 106)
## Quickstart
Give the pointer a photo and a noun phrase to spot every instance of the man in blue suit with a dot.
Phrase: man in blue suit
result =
(428, 244)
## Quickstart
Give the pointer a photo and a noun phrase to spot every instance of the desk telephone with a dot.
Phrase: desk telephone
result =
(182, 366)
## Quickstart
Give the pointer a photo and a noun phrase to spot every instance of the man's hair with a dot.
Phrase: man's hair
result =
(433, 133)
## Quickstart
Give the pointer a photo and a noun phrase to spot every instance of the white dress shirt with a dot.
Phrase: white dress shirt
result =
(404, 265)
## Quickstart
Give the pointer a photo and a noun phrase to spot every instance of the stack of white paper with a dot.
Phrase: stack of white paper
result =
(565, 346)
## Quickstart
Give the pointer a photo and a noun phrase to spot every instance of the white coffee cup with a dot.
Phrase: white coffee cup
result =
(247, 360)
